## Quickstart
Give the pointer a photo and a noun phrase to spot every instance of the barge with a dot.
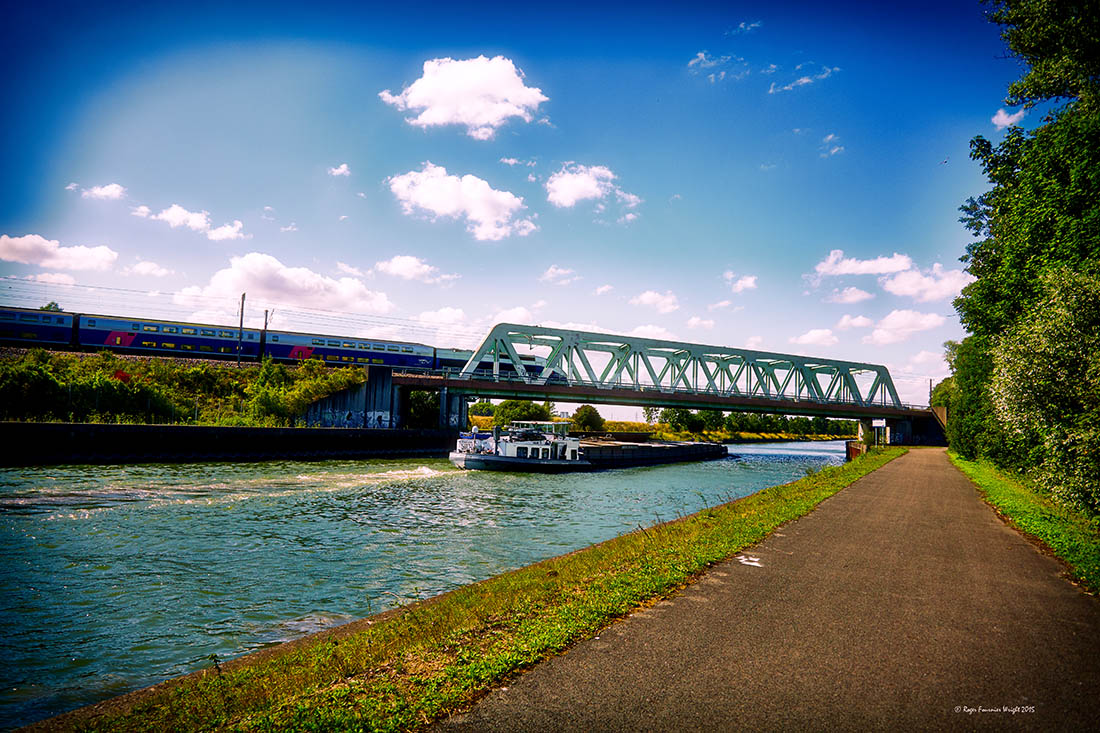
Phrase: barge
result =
(544, 447)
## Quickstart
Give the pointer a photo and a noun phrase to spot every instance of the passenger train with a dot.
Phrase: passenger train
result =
(90, 332)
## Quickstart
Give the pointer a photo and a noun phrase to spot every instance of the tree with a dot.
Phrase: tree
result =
(423, 410)
(587, 418)
(675, 417)
(650, 414)
(484, 407)
(711, 419)
(51, 306)
(509, 411)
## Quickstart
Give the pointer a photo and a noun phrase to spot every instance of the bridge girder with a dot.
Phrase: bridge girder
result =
(627, 363)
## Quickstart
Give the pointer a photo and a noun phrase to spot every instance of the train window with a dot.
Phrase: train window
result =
(7, 317)
(150, 344)
(407, 349)
(333, 343)
(204, 347)
(149, 328)
(364, 346)
(187, 347)
(28, 318)
(225, 349)
(379, 347)
(347, 358)
(377, 361)
(188, 331)
(349, 345)
(362, 360)
(28, 335)
(318, 342)
(208, 332)
(60, 319)
(275, 339)
(118, 341)
(226, 334)
(91, 323)
(332, 357)
(135, 327)
(171, 329)
(391, 347)
(166, 345)
(251, 336)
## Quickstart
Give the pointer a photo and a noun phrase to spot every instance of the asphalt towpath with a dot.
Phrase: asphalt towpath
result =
(900, 603)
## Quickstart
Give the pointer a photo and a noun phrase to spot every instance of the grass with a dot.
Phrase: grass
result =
(402, 669)
(1070, 534)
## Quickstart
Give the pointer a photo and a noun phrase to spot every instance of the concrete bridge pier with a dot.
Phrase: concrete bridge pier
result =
(382, 404)
(866, 432)
(452, 409)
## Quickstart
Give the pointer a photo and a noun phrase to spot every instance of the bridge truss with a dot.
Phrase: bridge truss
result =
(605, 361)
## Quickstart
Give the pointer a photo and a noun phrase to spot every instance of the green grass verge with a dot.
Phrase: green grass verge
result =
(405, 668)
(1070, 534)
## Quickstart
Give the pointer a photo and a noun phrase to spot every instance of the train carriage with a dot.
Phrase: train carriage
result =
(48, 328)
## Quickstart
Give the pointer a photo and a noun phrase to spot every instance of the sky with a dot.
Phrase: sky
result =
(736, 174)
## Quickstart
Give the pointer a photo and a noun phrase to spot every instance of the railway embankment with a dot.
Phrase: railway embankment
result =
(27, 444)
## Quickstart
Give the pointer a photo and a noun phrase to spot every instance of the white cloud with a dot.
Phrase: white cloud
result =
(899, 325)
(481, 93)
(825, 73)
(846, 322)
(559, 275)
(575, 182)
(837, 264)
(604, 289)
(519, 314)
(830, 145)
(703, 60)
(408, 267)
(488, 212)
(754, 342)
(938, 284)
(1003, 119)
(72, 186)
(650, 331)
(443, 316)
(361, 195)
(664, 302)
(142, 211)
(815, 337)
(340, 170)
(147, 268)
(33, 249)
(349, 270)
(697, 322)
(719, 305)
(53, 278)
(343, 217)
(848, 295)
(291, 227)
(110, 191)
(744, 27)
(227, 231)
(739, 284)
(177, 216)
(267, 214)
(264, 277)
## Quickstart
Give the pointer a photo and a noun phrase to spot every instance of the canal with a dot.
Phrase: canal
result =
(115, 578)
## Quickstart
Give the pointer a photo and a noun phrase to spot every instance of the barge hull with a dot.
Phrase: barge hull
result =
(484, 462)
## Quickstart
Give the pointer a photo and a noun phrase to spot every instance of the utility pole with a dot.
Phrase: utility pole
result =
(930, 391)
(240, 332)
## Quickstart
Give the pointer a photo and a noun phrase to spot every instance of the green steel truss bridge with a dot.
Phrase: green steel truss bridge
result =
(579, 366)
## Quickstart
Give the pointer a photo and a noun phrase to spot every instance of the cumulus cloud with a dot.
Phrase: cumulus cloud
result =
(719, 305)
(837, 264)
(266, 278)
(291, 227)
(147, 268)
(696, 322)
(575, 183)
(830, 145)
(847, 322)
(489, 213)
(604, 289)
(848, 295)
(349, 270)
(340, 170)
(142, 211)
(703, 60)
(739, 284)
(754, 342)
(1003, 119)
(559, 275)
(53, 278)
(481, 94)
(32, 249)
(177, 216)
(936, 284)
(227, 231)
(824, 72)
(443, 317)
(72, 186)
(650, 331)
(110, 191)
(519, 314)
(408, 267)
(665, 302)
(899, 325)
(815, 337)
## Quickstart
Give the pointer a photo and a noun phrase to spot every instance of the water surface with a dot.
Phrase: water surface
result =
(115, 578)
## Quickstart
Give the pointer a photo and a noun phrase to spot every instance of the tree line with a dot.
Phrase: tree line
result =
(1024, 389)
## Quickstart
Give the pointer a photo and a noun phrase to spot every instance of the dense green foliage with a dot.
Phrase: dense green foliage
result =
(401, 671)
(482, 408)
(105, 387)
(1023, 389)
(686, 421)
(511, 410)
(587, 417)
(423, 410)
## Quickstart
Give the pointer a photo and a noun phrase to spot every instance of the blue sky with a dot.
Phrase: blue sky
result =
(734, 174)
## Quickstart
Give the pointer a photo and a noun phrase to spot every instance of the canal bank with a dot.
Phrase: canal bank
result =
(577, 589)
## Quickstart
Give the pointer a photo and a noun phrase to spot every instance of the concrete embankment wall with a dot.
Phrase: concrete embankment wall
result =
(54, 443)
